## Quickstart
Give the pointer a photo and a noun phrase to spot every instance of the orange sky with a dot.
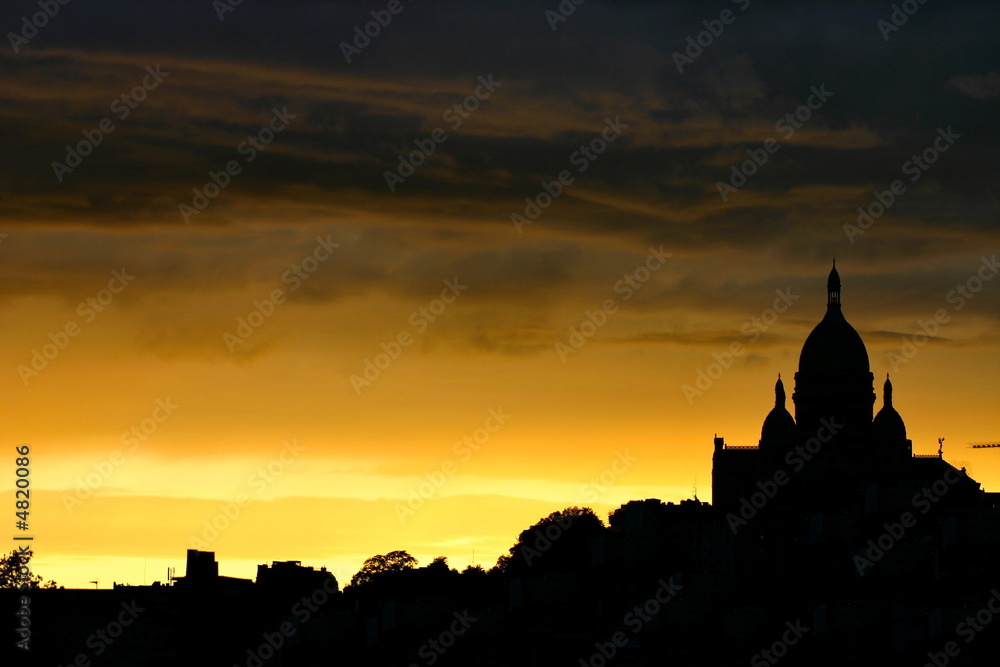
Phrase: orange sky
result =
(482, 421)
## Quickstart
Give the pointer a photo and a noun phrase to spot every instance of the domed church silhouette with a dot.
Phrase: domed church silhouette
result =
(833, 451)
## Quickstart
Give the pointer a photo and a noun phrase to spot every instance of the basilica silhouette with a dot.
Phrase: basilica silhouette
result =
(833, 455)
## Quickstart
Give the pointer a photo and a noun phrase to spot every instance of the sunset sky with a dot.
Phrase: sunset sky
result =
(404, 338)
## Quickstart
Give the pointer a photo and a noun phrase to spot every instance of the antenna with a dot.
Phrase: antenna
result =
(93, 582)
(940, 447)
(984, 445)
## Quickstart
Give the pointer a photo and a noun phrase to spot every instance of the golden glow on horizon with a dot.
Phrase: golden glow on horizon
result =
(337, 502)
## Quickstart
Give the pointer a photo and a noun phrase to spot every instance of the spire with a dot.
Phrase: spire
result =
(833, 286)
(887, 392)
(779, 393)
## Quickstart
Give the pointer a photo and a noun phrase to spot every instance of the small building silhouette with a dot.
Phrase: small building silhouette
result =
(291, 575)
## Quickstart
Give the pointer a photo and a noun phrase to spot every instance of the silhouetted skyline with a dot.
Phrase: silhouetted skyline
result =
(278, 289)
(829, 541)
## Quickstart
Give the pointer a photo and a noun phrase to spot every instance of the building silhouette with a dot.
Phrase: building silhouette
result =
(835, 453)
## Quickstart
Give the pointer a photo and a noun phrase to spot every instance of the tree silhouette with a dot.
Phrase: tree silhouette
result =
(559, 542)
(502, 566)
(394, 561)
(439, 564)
(10, 572)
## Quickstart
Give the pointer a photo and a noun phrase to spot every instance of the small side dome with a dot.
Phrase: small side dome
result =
(779, 427)
(888, 425)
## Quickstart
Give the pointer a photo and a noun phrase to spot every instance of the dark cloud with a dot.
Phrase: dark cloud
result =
(656, 185)
(979, 86)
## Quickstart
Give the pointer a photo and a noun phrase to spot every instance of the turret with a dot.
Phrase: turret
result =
(778, 431)
(888, 429)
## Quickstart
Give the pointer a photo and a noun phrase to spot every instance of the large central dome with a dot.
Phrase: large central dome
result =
(834, 380)
(834, 346)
